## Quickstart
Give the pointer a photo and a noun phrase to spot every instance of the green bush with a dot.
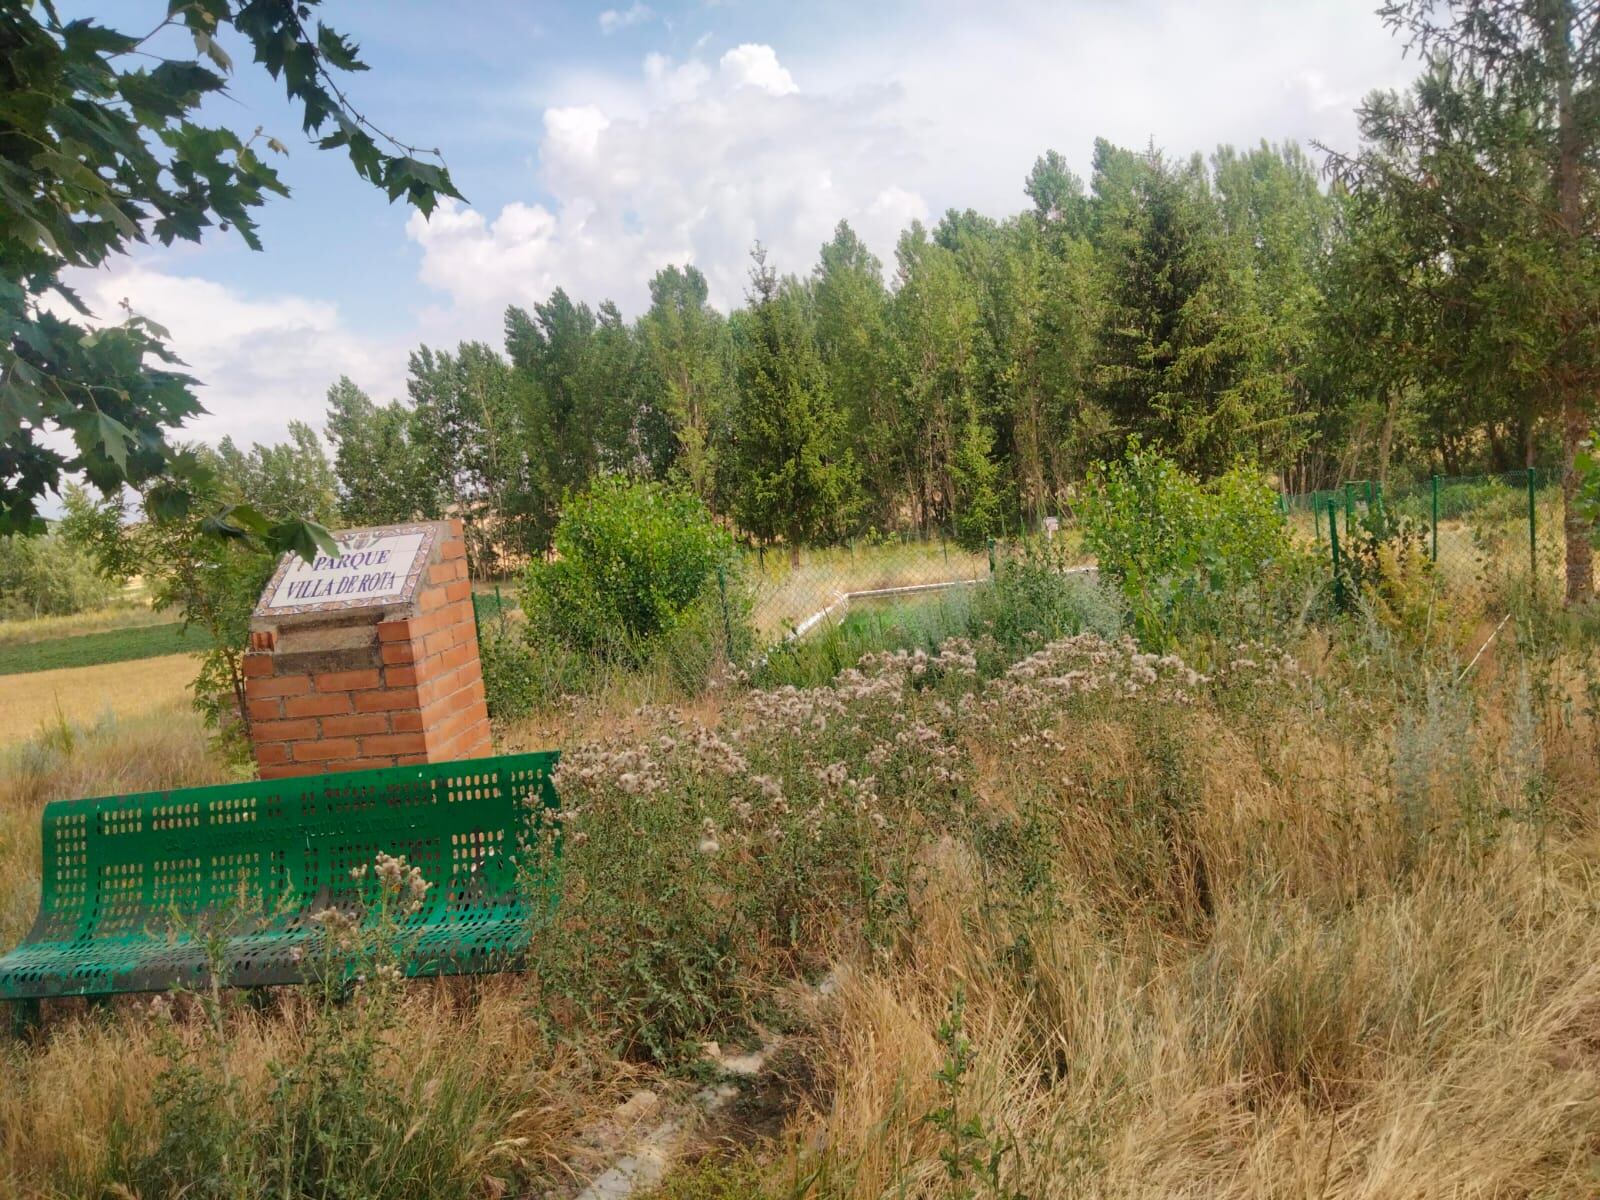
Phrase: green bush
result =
(632, 562)
(510, 670)
(1037, 596)
(1190, 557)
(48, 576)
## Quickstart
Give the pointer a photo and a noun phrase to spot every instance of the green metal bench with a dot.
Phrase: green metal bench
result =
(126, 877)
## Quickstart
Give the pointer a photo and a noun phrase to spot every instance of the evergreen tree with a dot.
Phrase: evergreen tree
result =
(1488, 168)
(789, 470)
(1176, 333)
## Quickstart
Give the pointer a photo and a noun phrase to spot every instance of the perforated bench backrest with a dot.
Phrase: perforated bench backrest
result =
(121, 873)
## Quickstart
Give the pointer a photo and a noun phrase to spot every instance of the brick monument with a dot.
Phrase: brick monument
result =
(368, 658)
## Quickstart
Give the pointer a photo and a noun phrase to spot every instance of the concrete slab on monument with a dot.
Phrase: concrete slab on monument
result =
(367, 658)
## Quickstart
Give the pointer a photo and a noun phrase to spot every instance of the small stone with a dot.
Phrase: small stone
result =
(637, 1106)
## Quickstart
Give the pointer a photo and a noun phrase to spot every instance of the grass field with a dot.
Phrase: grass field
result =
(1314, 921)
(108, 646)
(39, 698)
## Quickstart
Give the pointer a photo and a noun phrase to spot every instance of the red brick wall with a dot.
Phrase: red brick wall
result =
(416, 695)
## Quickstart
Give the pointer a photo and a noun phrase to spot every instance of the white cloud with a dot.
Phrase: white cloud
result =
(757, 66)
(261, 362)
(614, 19)
(701, 166)
(695, 158)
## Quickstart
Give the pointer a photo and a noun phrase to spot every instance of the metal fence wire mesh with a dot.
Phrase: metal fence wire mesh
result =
(1487, 538)
(928, 576)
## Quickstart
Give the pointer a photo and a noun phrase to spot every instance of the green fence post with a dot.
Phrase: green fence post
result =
(1349, 505)
(991, 558)
(1316, 515)
(1333, 541)
(1435, 518)
(1533, 528)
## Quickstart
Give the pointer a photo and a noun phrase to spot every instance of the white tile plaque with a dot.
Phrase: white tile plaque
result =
(376, 566)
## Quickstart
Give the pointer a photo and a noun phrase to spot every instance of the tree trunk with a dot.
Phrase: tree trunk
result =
(1574, 526)
(1576, 417)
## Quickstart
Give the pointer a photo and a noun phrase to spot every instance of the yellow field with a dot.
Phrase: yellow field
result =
(85, 693)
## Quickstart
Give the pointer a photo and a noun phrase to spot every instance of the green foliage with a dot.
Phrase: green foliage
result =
(632, 559)
(330, 1120)
(972, 1153)
(104, 153)
(1479, 175)
(107, 646)
(49, 576)
(790, 472)
(376, 468)
(510, 670)
(907, 624)
(1183, 552)
(687, 352)
(1037, 595)
(292, 477)
(212, 582)
(1385, 562)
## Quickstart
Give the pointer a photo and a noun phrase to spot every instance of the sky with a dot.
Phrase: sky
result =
(598, 142)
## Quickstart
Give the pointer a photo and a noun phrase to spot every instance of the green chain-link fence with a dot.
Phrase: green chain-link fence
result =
(1486, 538)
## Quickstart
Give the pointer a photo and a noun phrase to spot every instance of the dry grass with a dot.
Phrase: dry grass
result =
(132, 612)
(472, 1058)
(1435, 1034)
(79, 694)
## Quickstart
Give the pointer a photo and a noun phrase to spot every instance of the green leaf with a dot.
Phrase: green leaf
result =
(339, 50)
(304, 538)
(114, 437)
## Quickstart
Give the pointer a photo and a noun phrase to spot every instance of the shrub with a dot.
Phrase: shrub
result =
(632, 560)
(1037, 597)
(510, 683)
(1189, 556)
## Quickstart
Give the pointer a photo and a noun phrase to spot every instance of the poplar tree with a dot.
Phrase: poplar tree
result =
(688, 365)
(854, 342)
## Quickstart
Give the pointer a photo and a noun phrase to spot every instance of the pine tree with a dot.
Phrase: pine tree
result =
(789, 469)
(1176, 332)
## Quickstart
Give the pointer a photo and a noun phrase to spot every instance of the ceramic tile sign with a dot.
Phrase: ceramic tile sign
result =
(377, 566)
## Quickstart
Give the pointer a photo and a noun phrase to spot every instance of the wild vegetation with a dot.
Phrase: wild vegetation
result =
(1289, 901)
(1209, 872)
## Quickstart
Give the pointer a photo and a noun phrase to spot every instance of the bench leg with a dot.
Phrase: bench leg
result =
(25, 1017)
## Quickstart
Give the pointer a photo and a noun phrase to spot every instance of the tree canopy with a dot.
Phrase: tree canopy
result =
(99, 151)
